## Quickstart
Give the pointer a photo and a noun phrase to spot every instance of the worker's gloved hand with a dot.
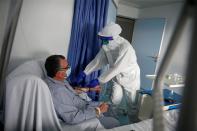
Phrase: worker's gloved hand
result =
(80, 77)
(93, 83)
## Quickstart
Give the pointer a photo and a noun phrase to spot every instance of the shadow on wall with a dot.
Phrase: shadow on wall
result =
(14, 62)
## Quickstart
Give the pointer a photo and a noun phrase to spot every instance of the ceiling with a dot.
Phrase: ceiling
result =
(148, 3)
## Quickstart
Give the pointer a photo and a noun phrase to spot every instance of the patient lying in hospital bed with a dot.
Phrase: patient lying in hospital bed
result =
(29, 105)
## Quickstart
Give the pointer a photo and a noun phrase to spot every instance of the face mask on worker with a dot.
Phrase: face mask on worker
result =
(105, 40)
(110, 32)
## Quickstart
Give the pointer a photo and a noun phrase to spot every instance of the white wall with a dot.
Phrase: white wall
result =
(116, 2)
(171, 13)
(128, 11)
(112, 12)
(44, 28)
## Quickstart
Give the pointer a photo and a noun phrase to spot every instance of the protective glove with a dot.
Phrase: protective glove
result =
(93, 83)
(80, 77)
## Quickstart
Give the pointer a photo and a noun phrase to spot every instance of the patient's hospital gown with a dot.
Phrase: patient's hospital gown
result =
(71, 108)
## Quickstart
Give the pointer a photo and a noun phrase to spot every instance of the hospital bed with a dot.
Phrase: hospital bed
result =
(29, 105)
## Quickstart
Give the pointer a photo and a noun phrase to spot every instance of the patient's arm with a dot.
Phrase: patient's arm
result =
(96, 88)
(71, 109)
(86, 89)
(81, 90)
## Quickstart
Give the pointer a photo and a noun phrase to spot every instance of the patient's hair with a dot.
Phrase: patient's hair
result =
(52, 64)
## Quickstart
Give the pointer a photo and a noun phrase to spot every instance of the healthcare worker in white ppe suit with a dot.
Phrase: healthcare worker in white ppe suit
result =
(123, 68)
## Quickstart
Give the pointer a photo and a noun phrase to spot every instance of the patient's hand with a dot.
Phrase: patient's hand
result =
(86, 89)
(78, 91)
(81, 90)
(96, 88)
(104, 107)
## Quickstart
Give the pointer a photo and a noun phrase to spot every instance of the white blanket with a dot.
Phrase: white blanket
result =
(29, 105)
(170, 121)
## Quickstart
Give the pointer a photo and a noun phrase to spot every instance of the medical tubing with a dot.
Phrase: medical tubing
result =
(158, 123)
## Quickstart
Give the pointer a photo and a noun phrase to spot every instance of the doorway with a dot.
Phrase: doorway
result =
(127, 25)
(147, 39)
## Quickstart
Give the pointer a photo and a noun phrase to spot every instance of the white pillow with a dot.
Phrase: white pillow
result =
(32, 67)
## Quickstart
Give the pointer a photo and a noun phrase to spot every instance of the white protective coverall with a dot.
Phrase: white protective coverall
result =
(123, 68)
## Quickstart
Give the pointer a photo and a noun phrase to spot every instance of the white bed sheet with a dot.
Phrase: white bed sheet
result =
(33, 67)
(29, 105)
(170, 121)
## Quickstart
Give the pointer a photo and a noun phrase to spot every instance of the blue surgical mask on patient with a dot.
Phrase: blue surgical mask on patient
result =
(68, 72)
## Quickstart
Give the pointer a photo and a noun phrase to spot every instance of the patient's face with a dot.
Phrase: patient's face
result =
(61, 74)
